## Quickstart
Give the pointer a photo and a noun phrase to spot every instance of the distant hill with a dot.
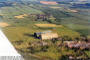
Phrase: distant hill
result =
(87, 5)
(10, 0)
(47, 0)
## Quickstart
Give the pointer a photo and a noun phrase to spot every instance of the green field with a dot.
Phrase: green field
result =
(20, 31)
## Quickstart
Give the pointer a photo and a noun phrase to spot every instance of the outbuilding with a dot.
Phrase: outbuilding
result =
(49, 36)
(37, 34)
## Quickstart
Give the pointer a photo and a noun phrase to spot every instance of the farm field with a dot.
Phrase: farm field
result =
(20, 22)
(3, 24)
(48, 25)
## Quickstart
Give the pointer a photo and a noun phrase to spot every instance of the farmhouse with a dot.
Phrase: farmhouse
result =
(37, 34)
(46, 35)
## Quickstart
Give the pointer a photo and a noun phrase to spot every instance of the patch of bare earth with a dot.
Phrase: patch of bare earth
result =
(47, 25)
(49, 2)
(3, 24)
(20, 16)
(71, 10)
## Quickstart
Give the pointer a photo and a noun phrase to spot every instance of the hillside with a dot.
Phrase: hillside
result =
(44, 31)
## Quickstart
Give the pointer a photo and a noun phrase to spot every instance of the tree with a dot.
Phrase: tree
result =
(67, 38)
(64, 57)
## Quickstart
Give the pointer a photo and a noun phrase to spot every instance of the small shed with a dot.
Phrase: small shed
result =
(48, 36)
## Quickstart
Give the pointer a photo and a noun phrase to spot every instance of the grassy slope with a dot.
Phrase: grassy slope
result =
(77, 21)
(22, 31)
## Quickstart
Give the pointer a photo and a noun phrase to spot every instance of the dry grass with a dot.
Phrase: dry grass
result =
(1, 14)
(21, 16)
(70, 10)
(88, 36)
(49, 2)
(47, 25)
(3, 24)
(55, 7)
